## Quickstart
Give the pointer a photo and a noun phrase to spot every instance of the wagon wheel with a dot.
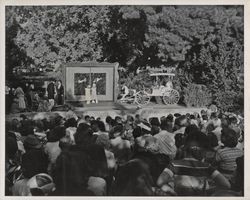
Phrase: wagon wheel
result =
(141, 98)
(171, 97)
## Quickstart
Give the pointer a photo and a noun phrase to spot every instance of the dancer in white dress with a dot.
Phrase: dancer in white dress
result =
(88, 94)
(94, 94)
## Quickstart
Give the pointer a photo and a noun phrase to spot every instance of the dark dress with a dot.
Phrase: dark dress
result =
(51, 91)
(60, 93)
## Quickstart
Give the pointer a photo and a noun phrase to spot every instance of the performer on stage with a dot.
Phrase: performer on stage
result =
(94, 95)
(94, 90)
(88, 94)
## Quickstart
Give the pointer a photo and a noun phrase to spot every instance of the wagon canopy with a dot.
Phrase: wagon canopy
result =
(162, 74)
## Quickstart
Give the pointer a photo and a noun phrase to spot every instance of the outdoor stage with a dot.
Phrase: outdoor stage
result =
(104, 109)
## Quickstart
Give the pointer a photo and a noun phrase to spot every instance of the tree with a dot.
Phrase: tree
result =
(57, 34)
(205, 43)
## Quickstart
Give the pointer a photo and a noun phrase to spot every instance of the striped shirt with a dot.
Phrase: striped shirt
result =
(166, 143)
(226, 158)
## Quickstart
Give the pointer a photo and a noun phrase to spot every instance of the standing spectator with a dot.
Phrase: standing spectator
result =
(29, 96)
(51, 92)
(20, 95)
(60, 92)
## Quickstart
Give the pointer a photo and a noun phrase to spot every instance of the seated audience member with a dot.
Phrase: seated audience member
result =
(211, 146)
(108, 124)
(215, 120)
(193, 121)
(166, 141)
(99, 173)
(119, 146)
(34, 161)
(155, 125)
(169, 123)
(226, 155)
(13, 171)
(72, 172)
(147, 149)
(84, 135)
(52, 148)
(136, 182)
(233, 125)
(190, 176)
(238, 179)
(180, 124)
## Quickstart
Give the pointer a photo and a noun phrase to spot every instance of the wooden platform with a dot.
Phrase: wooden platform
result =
(113, 109)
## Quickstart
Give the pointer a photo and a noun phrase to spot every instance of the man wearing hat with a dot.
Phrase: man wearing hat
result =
(34, 161)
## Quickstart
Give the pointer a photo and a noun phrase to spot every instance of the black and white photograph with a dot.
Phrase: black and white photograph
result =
(124, 100)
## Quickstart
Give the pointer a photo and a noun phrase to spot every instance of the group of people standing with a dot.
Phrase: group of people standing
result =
(55, 91)
(27, 98)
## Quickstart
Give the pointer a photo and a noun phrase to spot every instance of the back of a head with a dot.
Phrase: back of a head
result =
(56, 134)
(181, 121)
(170, 118)
(211, 140)
(116, 131)
(155, 130)
(137, 132)
(229, 137)
(177, 115)
(70, 123)
(83, 134)
(108, 119)
(72, 172)
(101, 126)
(154, 121)
(190, 129)
(87, 118)
(192, 117)
(137, 182)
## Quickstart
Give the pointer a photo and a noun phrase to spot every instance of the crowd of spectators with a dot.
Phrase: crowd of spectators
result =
(30, 98)
(197, 154)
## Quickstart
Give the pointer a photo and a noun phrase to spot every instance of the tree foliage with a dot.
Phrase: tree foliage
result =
(205, 43)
